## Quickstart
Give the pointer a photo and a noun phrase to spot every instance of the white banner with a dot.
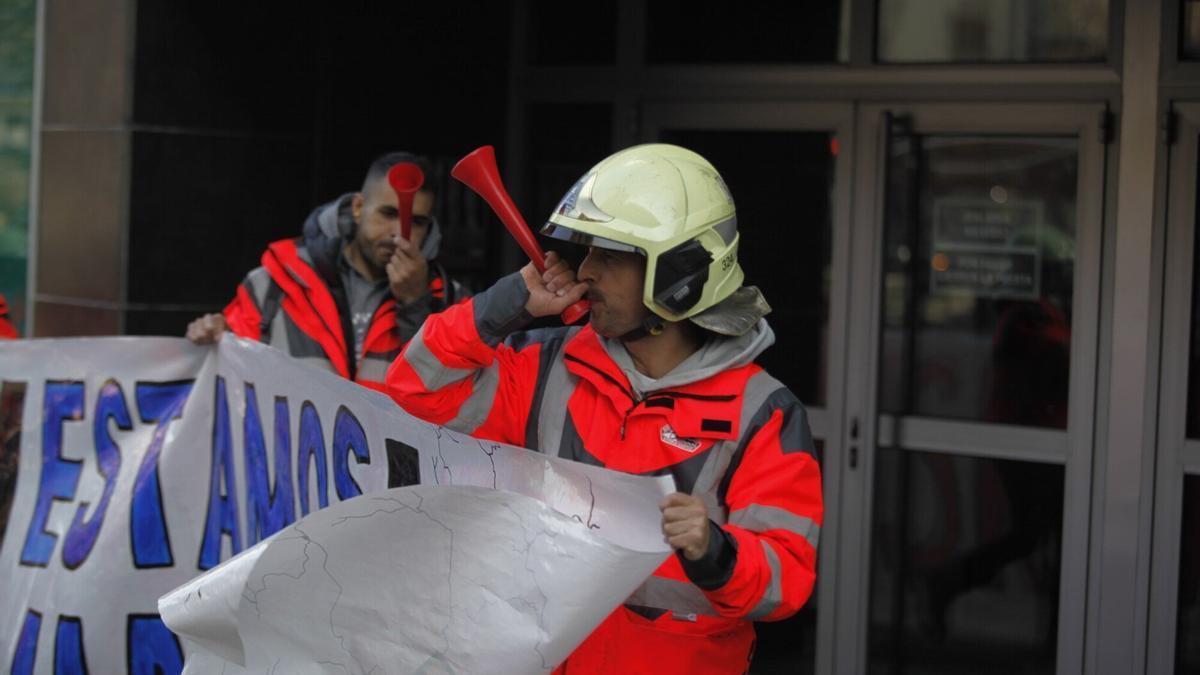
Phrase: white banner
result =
(128, 466)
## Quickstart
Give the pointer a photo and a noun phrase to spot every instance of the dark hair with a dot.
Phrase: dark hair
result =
(379, 168)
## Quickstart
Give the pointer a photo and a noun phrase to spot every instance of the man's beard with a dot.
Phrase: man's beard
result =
(608, 323)
(368, 252)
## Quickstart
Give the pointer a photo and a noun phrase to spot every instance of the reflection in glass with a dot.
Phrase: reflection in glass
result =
(973, 31)
(18, 20)
(1187, 630)
(965, 564)
(978, 277)
(782, 183)
(684, 31)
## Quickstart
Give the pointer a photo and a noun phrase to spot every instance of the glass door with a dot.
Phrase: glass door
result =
(788, 168)
(970, 389)
(1174, 638)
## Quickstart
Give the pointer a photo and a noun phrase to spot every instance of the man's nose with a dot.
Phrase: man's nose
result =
(393, 227)
(587, 269)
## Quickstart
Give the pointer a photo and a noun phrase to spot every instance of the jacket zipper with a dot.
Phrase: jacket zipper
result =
(629, 393)
(626, 417)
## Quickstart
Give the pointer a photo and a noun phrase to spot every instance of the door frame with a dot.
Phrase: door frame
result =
(1073, 448)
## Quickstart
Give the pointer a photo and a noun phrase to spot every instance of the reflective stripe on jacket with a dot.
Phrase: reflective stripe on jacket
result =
(738, 439)
(286, 303)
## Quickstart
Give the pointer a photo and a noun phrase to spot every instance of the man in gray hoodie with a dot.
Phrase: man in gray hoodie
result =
(350, 291)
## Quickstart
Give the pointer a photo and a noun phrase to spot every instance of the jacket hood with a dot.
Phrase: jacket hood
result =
(718, 354)
(333, 223)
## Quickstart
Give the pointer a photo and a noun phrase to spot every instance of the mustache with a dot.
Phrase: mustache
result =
(594, 295)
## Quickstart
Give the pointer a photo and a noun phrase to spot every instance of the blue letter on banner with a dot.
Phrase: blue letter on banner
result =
(110, 406)
(159, 402)
(60, 477)
(222, 507)
(68, 647)
(312, 443)
(152, 649)
(348, 436)
(267, 511)
(26, 653)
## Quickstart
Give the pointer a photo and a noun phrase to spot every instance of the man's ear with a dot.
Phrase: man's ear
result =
(356, 207)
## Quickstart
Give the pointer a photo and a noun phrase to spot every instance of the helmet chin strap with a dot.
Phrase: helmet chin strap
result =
(652, 324)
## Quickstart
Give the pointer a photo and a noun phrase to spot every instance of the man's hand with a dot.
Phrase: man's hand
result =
(408, 272)
(685, 524)
(207, 329)
(553, 291)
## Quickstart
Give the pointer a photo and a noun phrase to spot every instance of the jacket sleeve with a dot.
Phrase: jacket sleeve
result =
(457, 371)
(243, 315)
(761, 565)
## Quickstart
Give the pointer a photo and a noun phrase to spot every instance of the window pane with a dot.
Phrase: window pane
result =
(1193, 408)
(759, 167)
(1187, 630)
(972, 31)
(17, 27)
(979, 273)
(559, 36)
(683, 31)
(1189, 40)
(965, 565)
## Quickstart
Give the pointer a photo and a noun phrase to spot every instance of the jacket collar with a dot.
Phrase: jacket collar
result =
(707, 408)
(586, 358)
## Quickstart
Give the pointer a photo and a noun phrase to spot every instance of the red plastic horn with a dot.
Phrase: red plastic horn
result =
(478, 171)
(405, 178)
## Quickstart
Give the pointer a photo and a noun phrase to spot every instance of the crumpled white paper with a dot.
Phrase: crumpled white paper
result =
(422, 579)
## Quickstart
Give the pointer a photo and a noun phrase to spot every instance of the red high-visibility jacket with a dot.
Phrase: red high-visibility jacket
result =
(728, 432)
(289, 304)
(7, 330)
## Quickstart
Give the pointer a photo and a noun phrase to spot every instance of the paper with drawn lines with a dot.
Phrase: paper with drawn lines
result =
(450, 578)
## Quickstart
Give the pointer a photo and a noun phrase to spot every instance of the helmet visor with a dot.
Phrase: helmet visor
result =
(562, 233)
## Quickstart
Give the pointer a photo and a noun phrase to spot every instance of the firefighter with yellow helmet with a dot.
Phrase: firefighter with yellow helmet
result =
(661, 380)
